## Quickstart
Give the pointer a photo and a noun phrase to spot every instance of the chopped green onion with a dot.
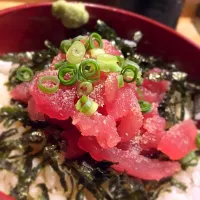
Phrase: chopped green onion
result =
(107, 58)
(103, 66)
(85, 88)
(145, 106)
(114, 67)
(139, 80)
(120, 61)
(89, 70)
(95, 37)
(132, 63)
(120, 81)
(178, 184)
(48, 89)
(68, 75)
(76, 52)
(198, 141)
(130, 73)
(108, 63)
(189, 160)
(86, 106)
(96, 52)
(79, 38)
(83, 39)
(109, 67)
(65, 45)
(60, 64)
(24, 74)
(139, 91)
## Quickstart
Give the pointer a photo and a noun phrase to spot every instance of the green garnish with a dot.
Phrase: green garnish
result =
(60, 64)
(139, 81)
(24, 74)
(145, 106)
(65, 45)
(178, 184)
(68, 74)
(95, 37)
(80, 38)
(129, 73)
(140, 93)
(86, 106)
(48, 89)
(89, 70)
(120, 81)
(76, 52)
(35, 60)
(83, 39)
(95, 52)
(120, 61)
(108, 63)
(189, 160)
(85, 88)
(198, 141)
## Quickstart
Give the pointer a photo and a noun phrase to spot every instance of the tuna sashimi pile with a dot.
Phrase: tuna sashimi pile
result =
(108, 108)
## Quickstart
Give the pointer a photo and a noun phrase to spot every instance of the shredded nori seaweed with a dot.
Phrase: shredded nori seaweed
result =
(45, 195)
(20, 192)
(37, 61)
(9, 115)
(8, 133)
(51, 157)
(85, 173)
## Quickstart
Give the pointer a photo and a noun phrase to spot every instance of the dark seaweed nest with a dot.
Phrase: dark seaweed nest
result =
(85, 173)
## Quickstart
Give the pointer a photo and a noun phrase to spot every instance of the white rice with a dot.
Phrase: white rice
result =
(8, 180)
(191, 178)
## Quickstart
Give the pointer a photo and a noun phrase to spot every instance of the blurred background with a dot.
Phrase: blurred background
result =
(182, 15)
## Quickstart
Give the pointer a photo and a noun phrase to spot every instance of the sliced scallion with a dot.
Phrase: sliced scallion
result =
(132, 63)
(107, 58)
(135, 68)
(86, 106)
(140, 93)
(60, 64)
(24, 74)
(189, 160)
(139, 79)
(48, 89)
(95, 37)
(68, 75)
(76, 52)
(85, 88)
(89, 70)
(65, 45)
(78, 38)
(95, 52)
(120, 61)
(120, 81)
(198, 141)
(145, 106)
(108, 63)
(130, 73)
(83, 39)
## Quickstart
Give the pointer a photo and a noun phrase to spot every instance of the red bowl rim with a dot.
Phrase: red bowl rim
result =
(103, 7)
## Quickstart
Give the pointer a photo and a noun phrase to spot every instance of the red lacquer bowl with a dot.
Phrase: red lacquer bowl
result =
(26, 27)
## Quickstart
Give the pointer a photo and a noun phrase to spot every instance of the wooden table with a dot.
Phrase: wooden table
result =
(185, 25)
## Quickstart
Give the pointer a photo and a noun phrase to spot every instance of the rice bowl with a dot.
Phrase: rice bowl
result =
(60, 171)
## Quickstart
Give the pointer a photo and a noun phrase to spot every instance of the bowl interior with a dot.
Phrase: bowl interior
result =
(26, 27)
